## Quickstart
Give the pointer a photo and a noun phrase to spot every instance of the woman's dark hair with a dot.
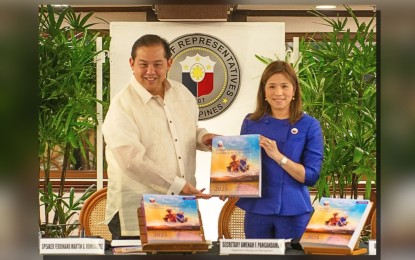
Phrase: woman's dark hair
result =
(151, 40)
(262, 106)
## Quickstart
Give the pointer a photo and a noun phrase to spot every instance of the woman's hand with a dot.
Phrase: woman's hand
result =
(223, 197)
(271, 148)
(296, 170)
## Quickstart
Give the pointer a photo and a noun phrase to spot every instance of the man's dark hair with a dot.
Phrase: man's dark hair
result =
(151, 40)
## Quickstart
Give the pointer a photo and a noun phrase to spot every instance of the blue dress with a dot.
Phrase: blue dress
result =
(302, 143)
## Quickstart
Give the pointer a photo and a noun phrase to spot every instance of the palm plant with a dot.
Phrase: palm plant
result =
(67, 106)
(339, 88)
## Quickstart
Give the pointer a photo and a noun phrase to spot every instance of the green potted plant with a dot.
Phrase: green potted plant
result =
(67, 104)
(338, 79)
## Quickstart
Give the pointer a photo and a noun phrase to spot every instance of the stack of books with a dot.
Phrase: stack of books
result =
(335, 226)
(170, 219)
(127, 247)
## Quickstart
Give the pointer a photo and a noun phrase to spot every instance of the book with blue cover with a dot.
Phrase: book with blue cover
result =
(170, 219)
(236, 166)
(336, 224)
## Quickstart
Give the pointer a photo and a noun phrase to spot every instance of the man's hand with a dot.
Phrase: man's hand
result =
(207, 139)
(188, 189)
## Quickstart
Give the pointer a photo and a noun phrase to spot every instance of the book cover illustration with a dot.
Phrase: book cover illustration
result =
(336, 223)
(171, 218)
(236, 166)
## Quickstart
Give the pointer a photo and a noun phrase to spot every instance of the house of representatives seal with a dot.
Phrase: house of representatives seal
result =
(209, 69)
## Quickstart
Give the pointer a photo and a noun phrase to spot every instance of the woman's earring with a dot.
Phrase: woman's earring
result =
(266, 99)
(293, 98)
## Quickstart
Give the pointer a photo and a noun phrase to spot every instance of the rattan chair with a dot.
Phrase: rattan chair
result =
(371, 220)
(231, 220)
(92, 215)
(373, 226)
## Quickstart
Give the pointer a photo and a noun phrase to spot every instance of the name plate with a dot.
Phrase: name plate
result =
(72, 245)
(372, 247)
(252, 246)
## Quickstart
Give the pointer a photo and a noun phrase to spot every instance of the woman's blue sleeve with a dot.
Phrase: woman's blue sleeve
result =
(313, 154)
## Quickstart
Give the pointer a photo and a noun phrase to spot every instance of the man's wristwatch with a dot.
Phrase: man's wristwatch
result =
(283, 161)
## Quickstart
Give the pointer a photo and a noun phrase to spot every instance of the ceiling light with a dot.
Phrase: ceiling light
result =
(325, 6)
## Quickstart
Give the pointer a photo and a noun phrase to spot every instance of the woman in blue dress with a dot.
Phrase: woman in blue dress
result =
(292, 156)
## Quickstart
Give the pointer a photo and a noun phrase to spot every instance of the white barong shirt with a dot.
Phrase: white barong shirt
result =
(150, 147)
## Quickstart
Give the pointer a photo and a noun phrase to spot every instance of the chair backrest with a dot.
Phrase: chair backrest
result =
(373, 225)
(92, 215)
(231, 220)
